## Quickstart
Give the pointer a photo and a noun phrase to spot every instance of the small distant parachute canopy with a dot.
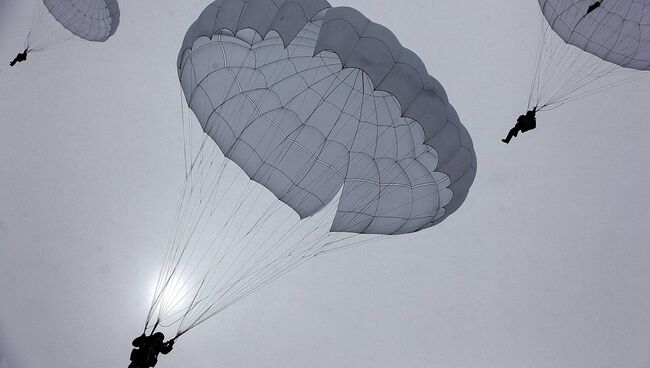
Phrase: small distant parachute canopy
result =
(57, 21)
(91, 20)
(587, 47)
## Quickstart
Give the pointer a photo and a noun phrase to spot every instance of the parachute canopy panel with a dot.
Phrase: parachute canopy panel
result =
(617, 31)
(311, 101)
(91, 20)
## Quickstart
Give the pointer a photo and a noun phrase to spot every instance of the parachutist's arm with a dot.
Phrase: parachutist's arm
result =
(167, 347)
(137, 342)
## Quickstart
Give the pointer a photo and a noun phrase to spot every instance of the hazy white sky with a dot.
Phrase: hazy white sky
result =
(545, 265)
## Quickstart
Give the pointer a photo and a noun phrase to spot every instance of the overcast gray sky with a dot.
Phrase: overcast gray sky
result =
(547, 264)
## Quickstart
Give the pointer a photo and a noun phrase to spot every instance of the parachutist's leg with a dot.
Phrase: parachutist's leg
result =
(512, 133)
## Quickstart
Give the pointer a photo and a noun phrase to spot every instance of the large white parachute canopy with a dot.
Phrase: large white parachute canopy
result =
(343, 105)
(587, 46)
(325, 111)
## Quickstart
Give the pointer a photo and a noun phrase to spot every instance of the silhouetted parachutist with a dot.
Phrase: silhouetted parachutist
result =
(147, 349)
(524, 123)
(20, 57)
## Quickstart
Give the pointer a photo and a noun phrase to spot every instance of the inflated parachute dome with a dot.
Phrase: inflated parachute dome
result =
(616, 31)
(308, 99)
(91, 20)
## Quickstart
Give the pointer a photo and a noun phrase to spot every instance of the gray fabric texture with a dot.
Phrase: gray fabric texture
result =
(617, 31)
(308, 99)
(91, 20)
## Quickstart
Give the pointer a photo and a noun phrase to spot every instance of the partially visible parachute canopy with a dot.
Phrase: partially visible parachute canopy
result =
(588, 46)
(91, 20)
(617, 31)
(308, 99)
(55, 22)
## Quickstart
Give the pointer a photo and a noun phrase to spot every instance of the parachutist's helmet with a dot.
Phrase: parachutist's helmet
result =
(159, 336)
